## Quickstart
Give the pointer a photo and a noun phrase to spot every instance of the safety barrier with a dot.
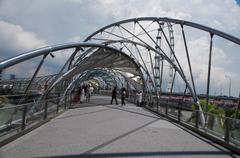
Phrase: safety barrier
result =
(223, 130)
(17, 120)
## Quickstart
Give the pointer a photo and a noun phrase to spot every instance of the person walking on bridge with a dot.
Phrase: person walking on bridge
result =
(114, 95)
(139, 98)
(88, 93)
(123, 94)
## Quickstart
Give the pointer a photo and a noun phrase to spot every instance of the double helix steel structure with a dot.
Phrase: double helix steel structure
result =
(154, 55)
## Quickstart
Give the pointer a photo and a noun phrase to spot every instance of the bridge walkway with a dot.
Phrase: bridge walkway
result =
(99, 130)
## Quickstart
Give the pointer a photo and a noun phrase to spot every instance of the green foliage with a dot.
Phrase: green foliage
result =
(211, 108)
(3, 101)
(229, 113)
(195, 107)
(238, 114)
(232, 113)
(214, 112)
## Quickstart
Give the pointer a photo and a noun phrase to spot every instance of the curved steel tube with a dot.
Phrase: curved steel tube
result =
(46, 50)
(175, 21)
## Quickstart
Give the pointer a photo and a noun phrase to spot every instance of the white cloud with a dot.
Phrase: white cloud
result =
(220, 15)
(56, 25)
(199, 56)
(215, 13)
(74, 1)
(14, 39)
(75, 39)
(27, 68)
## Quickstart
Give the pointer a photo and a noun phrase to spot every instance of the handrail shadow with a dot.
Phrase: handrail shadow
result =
(145, 154)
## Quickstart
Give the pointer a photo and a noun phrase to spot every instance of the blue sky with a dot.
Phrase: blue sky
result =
(30, 24)
(238, 1)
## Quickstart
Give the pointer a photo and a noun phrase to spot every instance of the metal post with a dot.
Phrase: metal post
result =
(1, 72)
(189, 63)
(24, 117)
(209, 70)
(166, 112)
(181, 103)
(33, 77)
(26, 90)
(197, 119)
(227, 130)
(238, 107)
(171, 89)
(161, 76)
(179, 110)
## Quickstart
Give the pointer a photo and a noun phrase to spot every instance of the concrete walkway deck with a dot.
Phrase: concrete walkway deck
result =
(100, 130)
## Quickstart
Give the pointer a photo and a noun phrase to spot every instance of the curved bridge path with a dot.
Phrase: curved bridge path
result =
(100, 130)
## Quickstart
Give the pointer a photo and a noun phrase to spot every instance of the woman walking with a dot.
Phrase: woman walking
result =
(123, 96)
(114, 95)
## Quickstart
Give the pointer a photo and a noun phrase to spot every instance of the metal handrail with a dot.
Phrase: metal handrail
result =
(224, 138)
(25, 120)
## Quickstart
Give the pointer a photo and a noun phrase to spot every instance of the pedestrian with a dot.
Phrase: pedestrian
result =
(91, 89)
(76, 96)
(139, 98)
(88, 93)
(83, 93)
(114, 95)
(79, 94)
(123, 94)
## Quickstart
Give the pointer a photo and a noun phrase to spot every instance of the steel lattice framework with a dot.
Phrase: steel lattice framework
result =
(136, 51)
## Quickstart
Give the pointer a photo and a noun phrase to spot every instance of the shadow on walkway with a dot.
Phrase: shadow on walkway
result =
(144, 154)
(104, 105)
(77, 115)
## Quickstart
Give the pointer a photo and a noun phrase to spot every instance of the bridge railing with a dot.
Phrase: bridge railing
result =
(222, 129)
(225, 129)
(17, 119)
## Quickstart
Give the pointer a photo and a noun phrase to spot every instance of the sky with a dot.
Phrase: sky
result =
(31, 24)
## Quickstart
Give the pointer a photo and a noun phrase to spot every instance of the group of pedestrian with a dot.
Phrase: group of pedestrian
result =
(123, 96)
(83, 91)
